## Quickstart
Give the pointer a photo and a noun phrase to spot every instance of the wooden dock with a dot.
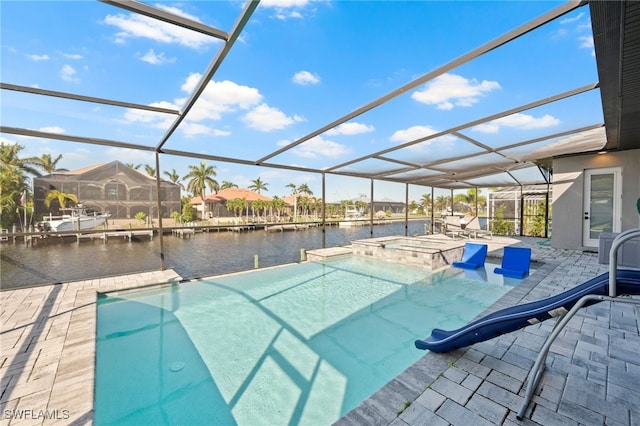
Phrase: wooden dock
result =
(105, 235)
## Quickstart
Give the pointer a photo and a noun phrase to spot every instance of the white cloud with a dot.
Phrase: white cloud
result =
(285, 9)
(44, 57)
(305, 78)
(449, 90)
(68, 73)
(52, 129)
(573, 19)
(586, 42)
(155, 58)
(418, 132)
(518, 121)
(411, 134)
(265, 118)
(318, 147)
(74, 56)
(156, 119)
(134, 25)
(284, 3)
(194, 129)
(351, 128)
(219, 97)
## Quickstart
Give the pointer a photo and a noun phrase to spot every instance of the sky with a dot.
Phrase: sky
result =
(297, 66)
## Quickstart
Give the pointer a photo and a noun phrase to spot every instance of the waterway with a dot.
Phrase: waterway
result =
(205, 254)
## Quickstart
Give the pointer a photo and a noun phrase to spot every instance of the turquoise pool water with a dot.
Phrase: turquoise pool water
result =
(300, 344)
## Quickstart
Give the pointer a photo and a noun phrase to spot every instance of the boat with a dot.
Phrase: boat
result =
(76, 218)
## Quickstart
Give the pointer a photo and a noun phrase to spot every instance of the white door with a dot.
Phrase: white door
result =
(601, 204)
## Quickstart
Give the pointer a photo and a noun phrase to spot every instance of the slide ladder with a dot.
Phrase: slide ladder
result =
(538, 367)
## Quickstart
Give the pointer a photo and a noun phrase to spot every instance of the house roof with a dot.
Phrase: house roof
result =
(227, 194)
(473, 161)
(114, 171)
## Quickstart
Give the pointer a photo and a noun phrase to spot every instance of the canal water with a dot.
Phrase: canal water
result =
(205, 254)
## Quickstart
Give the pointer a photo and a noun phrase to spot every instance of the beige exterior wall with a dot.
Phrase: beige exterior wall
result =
(568, 189)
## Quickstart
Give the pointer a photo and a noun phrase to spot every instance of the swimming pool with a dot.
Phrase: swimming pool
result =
(300, 344)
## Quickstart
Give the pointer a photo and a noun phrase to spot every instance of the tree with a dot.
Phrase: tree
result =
(413, 206)
(133, 166)
(304, 189)
(500, 225)
(278, 204)
(237, 205)
(361, 206)
(227, 184)
(48, 164)
(151, 171)
(61, 197)
(199, 179)
(141, 216)
(258, 185)
(14, 181)
(425, 201)
(294, 192)
(260, 206)
(174, 177)
(188, 214)
(470, 199)
(441, 203)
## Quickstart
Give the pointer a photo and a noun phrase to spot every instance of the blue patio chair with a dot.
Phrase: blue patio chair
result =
(473, 256)
(515, 262)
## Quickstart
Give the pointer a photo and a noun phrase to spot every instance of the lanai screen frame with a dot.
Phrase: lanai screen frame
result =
(594, 134)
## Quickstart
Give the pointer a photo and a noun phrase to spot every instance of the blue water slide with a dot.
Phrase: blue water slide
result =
(515, 317)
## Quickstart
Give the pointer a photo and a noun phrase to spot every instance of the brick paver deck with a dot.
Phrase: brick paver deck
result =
(47, 357)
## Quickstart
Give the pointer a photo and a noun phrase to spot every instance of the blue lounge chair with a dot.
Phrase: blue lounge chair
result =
(473, 256)
(515, 262)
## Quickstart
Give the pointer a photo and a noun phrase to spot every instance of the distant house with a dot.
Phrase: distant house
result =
(215, 205)
(112, 187)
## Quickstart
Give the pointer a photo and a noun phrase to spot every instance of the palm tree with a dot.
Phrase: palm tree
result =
(260, 205)
(133, 166)
(61, 197)
(14, 181)
(294, 192)
(49, 165)
(151, 171)
(199, 179)
(278, 204)
(174, 177)
(442, 201)
(258, 185)
(470, 199)
(227, 184)
(304, 189)
(425, 201)
(236, 206)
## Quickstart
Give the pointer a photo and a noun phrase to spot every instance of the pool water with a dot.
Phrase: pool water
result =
(300, 344)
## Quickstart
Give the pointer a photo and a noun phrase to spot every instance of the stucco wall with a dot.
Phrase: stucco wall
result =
(568, 186)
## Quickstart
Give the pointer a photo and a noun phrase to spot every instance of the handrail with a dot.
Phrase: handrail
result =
(535, 374)
(613, 256)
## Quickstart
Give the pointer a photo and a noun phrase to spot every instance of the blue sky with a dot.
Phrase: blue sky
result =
(298, 66)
